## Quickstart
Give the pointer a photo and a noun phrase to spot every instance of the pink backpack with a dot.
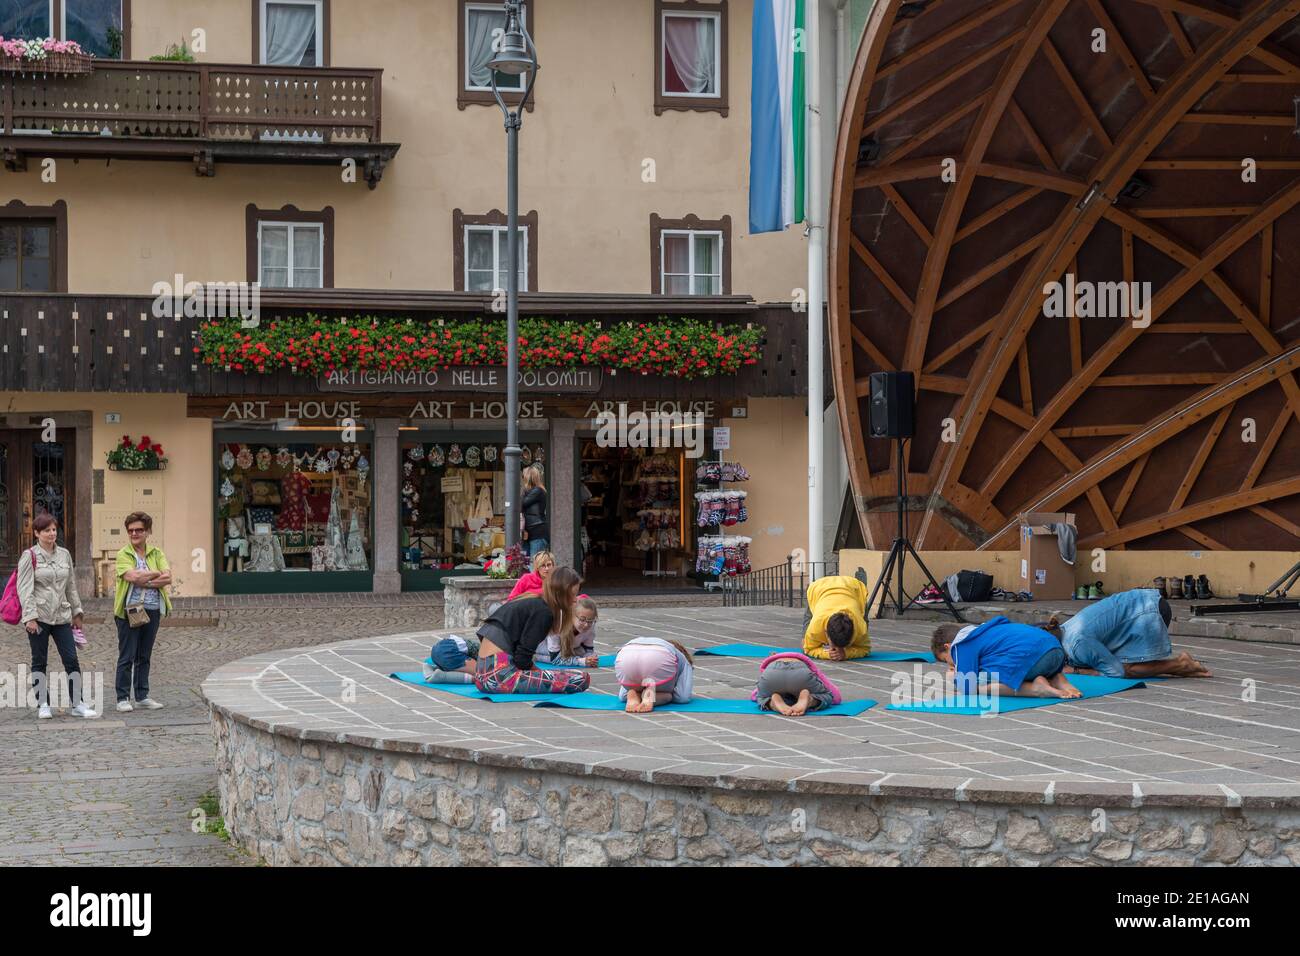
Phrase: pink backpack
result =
(11, 609)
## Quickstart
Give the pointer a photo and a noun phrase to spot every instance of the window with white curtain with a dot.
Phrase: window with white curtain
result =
(691, 54)
(486, 258)
(96, 25)
(290, 255)
(690, 262)
(292, 32)
(484, 25)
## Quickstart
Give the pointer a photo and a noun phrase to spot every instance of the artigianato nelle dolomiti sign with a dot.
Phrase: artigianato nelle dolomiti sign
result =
(469, 378)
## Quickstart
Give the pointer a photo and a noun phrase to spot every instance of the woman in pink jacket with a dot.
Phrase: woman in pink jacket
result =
(534, 580)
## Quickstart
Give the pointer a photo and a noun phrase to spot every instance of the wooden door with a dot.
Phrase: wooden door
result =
(36, 478)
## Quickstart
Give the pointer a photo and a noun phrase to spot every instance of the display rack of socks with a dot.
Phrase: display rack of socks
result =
(653, 503)
(722, 555)
(717, 506)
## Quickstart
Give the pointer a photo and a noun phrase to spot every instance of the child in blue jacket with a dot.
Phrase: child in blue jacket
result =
(1003, 658)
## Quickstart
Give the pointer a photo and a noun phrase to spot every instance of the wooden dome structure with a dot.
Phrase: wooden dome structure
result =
(990, 148)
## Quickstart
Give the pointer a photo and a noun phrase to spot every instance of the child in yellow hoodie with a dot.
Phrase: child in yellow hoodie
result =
(835, 624)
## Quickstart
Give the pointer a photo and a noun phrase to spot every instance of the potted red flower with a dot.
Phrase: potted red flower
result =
(145, 455)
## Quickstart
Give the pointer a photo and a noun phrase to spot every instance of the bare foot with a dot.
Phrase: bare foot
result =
(1188, 666)
(633, 701)
(1039, 687)
(778, 704)
(1064, 689)
(801, 705)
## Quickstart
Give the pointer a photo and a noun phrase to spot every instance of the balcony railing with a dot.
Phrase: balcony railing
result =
(198, 101)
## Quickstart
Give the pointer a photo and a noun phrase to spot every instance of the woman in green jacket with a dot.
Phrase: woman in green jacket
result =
(143, 576)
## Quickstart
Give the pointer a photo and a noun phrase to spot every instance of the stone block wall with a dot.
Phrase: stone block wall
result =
(323, 803)
(466, 600)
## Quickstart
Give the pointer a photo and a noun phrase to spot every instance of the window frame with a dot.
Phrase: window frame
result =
(498, 266)
(691, 273)
(290, 248)
(290, 215)
(17, 211)
(470, 97)
(691, 102)
(59, 24)
(322, 32)
(461, 224)
(689, 225)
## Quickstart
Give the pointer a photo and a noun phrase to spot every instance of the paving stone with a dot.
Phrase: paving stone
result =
(1181, 744)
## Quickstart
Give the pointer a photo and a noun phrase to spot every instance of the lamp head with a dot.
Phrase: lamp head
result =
(513, 56)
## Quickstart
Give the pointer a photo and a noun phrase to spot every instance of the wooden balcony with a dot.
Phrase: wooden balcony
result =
(204, 112)
(113, 343)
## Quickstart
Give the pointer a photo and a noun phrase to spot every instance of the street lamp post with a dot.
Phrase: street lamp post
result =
(515, 56)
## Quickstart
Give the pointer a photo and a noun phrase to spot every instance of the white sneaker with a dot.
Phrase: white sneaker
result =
(149, 704)
(44, 713)
(83, 710)
(124, 706)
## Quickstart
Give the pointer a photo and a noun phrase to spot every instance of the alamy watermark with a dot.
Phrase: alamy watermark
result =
(132, 911)
(1098, 300)
(921, 686)
(676, 429)
(208, 300)
(21, 689)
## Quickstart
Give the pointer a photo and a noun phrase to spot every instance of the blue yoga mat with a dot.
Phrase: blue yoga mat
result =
(606, 660)
(468, 690)
(760, 651)
(700, 705)
(1091, 687)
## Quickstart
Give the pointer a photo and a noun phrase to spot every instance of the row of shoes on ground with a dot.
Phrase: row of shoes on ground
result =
(1089, 592)
(1184, 588)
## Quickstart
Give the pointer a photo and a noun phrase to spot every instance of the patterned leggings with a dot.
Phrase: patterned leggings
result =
(497, 675)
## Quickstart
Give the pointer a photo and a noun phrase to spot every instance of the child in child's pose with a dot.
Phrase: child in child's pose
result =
(577, 649)
(453, 661)
(792, 684)
(653, 671)
(1004, 658)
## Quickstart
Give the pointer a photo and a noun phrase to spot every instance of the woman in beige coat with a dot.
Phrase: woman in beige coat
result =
(47, 591)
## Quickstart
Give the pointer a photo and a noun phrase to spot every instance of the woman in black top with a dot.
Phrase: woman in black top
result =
(512, 633)
(537, 527)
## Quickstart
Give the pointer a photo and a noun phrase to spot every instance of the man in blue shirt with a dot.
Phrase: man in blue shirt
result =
(1003, 658)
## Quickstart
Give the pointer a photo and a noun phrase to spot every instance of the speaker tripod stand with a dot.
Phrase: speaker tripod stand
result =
(898, 552)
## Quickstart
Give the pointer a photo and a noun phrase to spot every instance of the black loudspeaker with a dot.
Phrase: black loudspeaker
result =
(892, 403)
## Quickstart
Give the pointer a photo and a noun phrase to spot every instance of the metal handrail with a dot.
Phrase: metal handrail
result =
(781, 585)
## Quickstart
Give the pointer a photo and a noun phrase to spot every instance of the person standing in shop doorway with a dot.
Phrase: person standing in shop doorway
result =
(141, 600)
(537, 528)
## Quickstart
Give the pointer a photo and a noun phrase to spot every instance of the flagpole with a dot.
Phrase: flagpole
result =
(816, 219)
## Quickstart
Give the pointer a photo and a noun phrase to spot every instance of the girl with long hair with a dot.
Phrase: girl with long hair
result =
(511, 634)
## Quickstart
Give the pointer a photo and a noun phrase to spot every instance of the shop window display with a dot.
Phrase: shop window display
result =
(453, 502)
(299, 506)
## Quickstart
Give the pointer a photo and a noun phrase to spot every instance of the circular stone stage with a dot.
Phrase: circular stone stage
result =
(323, 759)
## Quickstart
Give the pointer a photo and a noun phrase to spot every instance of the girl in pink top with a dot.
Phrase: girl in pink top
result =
(650, 671)
(532, 582)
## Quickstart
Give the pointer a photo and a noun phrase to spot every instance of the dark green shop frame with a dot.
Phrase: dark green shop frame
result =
(432, 580)
(285, 582)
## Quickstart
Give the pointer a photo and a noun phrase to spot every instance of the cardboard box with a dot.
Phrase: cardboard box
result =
(1042, 570)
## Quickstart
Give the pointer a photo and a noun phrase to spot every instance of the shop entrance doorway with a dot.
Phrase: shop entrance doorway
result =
(634, 518)
(35, 479)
